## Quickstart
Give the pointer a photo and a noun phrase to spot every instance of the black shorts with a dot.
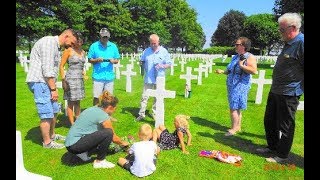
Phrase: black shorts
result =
(128, 164)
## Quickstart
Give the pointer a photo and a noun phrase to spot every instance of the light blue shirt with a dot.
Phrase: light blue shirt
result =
(103, 71)
(151, 59)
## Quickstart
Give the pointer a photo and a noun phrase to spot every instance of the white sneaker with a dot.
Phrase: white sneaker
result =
(103, 164)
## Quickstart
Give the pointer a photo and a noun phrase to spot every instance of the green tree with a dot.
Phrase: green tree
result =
(112, 15)
(185, 32)
(229, 28)
(284, 6)
(148, 16)
(262, 29)
(35, 19)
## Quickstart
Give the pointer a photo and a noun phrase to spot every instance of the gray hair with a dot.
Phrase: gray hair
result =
(154, 37)
(292, 19)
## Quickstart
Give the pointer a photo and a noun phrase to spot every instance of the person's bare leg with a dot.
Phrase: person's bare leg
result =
(77, 109)
(155, 135)
(122, 161)
(162, 127)
(239, 120)
(53, 125)
(45, 130)
(70, 112)
(235, 124)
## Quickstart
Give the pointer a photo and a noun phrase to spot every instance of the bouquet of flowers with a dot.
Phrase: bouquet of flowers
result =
(221, 156)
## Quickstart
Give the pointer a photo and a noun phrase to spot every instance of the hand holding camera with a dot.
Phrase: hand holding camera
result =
(242, 59)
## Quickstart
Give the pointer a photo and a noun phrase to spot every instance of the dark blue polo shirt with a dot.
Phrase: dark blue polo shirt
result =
(288, 73)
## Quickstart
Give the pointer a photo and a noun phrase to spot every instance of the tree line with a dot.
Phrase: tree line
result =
(132, 21)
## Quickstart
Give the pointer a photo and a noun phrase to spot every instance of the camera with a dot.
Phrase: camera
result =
(242, 57)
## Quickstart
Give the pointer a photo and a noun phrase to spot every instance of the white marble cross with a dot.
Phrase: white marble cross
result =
(26, 64)
(128, 74)
(21, 172)
(132, 60)
(172, 68)
(260, 81)
(301, 105)
(209, 64)
(59, 85)
(224, 57)
(201, 69)
(116, 68)
(87, 65)
(182, 62)
(188, 77)
(160, 93)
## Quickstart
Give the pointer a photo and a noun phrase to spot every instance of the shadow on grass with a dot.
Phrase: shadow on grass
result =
(132, 110)
(34, 135)
(70, 159)
(216, 126)
(62, 121)
(245, 145)
(251, 100)
(207, 123)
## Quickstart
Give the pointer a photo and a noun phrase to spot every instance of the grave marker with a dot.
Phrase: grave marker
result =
(260, 81)
(189, 76)
(128, 74)
(160, 93)
(21, 172)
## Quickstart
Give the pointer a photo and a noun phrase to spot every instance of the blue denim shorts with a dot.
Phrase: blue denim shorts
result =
(42, 97)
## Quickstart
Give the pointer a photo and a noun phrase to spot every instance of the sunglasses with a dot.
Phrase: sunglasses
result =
(282, 30)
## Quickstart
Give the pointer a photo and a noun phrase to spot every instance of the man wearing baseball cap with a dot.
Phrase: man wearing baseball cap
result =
(103, 54)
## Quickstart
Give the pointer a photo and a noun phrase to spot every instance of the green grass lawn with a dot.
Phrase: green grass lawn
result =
(208, 109)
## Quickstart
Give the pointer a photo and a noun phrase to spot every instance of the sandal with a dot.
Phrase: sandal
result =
(230, 132)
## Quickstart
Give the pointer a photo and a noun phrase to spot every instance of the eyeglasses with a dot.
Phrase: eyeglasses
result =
(238, 44)
(282, 30)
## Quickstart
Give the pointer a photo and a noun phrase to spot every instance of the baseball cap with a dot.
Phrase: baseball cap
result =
(104, 32)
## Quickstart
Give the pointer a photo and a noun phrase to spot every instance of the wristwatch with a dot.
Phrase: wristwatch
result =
(53, 89)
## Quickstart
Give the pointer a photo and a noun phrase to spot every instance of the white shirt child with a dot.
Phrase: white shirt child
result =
(144, 154)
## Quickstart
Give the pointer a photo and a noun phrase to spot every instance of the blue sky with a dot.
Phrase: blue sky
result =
(211, 11)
